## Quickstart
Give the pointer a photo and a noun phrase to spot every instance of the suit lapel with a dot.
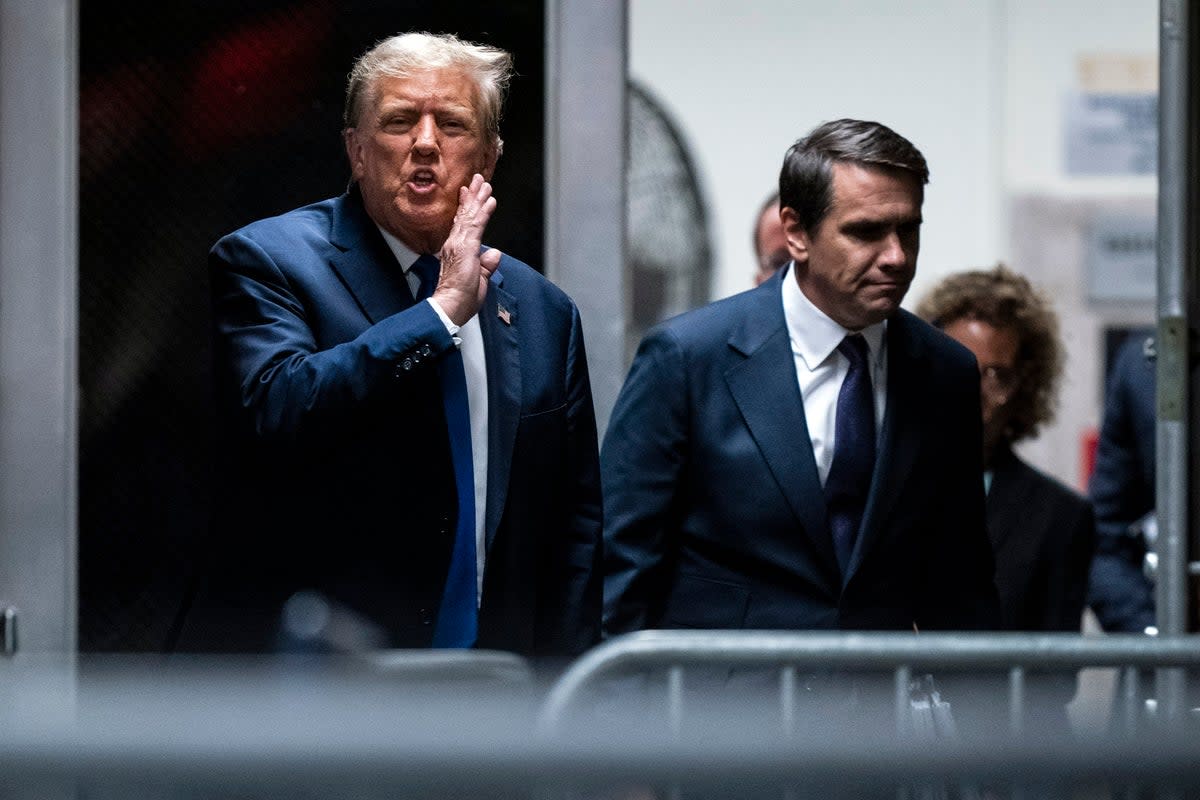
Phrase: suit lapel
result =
(900, 440)
(368, 269)
(765, 390)
(503, 358)
(364, 262)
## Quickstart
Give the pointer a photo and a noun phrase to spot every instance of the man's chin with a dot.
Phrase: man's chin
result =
(878, 311)
(426, 224)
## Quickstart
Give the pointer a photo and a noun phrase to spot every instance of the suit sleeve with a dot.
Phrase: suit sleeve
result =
(282, 378)
(1119, 593)
(642, 463)
(573, 618)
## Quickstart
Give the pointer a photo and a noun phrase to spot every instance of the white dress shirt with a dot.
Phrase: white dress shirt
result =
(469, 339)
(820, 368)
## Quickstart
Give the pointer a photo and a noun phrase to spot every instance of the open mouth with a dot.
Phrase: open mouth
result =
(422, 180)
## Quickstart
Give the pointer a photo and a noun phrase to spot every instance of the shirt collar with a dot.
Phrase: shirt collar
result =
(813, 334)
(405, 255)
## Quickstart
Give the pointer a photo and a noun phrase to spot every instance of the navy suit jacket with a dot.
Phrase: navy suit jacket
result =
(1043, 535)
(714, 512)
(1122, 491)
(341, 480)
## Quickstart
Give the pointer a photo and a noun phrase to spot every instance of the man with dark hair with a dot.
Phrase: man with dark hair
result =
(417, 445)
(770, 244)
(805, 455)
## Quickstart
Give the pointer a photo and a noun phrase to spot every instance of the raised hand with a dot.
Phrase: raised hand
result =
(463, 282)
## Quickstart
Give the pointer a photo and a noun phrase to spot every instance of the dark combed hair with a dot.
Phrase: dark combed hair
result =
(1004, 299)
(806, 179)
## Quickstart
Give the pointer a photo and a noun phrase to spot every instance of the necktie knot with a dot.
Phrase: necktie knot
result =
(427, 268)
(854, 348)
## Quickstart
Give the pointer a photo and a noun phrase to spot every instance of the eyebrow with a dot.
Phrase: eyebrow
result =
(390, 106)
(883, 221)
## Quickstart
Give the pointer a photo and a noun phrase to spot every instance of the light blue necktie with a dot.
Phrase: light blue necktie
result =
(457, 622)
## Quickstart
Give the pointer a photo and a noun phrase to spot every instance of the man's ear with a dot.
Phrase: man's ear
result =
(490, 158)
(797, 237)
(353, 152)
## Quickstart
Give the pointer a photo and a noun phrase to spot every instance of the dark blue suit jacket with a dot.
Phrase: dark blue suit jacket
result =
(1122, 491)
(341, 479)
(714, 512)
(1043, 536)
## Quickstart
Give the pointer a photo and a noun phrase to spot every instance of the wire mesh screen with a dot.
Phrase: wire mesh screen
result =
(195, 119)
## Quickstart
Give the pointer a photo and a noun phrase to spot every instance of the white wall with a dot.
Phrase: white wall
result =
(1043, 41)
(746, 79)
(977, 86)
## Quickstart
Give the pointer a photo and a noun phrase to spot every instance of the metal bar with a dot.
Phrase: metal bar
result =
(903, 677)
(586, 55)
(1132, 704)
(675, 700)
(8, 631)
(675, 718)
(39, 167)
(867, 651)
(296, 727)
(1173, 345)
(787, 700)
(1016, 701)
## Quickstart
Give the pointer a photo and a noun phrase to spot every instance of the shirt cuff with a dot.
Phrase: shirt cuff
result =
(451, 328)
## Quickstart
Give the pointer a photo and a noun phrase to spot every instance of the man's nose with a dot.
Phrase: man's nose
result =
(425, 135)
(894, 255)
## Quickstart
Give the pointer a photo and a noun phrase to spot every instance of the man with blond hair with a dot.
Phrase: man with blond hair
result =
(416, 434)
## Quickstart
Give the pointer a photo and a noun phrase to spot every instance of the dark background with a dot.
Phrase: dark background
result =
(196, 118)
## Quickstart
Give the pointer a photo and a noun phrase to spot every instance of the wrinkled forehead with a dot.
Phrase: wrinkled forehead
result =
(890, 191)
(450, 87)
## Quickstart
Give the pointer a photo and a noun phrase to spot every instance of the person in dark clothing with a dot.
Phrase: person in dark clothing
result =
(1042, 532)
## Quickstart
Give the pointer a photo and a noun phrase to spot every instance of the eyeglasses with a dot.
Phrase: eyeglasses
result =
(998, 380)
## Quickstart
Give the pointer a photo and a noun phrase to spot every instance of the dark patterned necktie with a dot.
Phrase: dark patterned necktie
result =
(849, 478)
(457, 621)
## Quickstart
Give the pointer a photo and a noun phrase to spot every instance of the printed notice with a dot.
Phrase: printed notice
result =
(1111, 133)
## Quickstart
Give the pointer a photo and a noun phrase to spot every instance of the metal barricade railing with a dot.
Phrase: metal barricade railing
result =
(325, 726)
(903, 654)
(480, 667)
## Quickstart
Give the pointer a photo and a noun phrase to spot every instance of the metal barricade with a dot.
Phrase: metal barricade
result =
(903, 654)
(320, 726)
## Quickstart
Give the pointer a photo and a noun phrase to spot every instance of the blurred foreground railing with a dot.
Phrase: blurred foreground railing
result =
(900, 653)
(435, 725)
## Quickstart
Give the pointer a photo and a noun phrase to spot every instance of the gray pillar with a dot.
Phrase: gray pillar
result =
(1176, 301)
(38, 188)
(585, 178)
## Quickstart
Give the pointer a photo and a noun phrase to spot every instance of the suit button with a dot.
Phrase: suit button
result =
(425, 350)
(406, 364)
(425, 617)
